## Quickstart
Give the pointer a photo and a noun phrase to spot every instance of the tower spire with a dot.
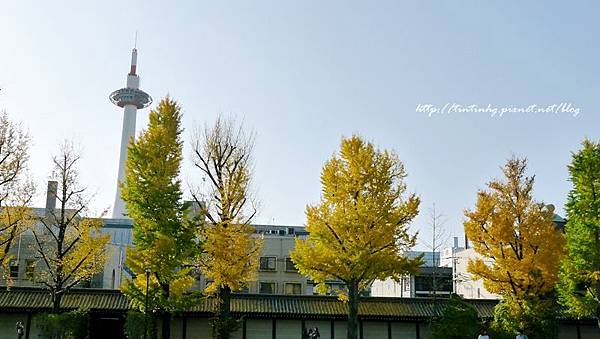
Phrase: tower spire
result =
(130, 98)
(133, 67)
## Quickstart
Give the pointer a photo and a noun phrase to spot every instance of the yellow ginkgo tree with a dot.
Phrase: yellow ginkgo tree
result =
(16, 191)
(230, 253)
(164, 241)
(519, 244)
(68, 243)
(358, 232)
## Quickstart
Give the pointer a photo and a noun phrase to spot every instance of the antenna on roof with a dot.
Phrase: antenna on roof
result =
(135, 40)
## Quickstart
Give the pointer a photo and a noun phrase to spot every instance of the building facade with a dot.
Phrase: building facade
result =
(26, 266)
(432, 280)
(276, 272)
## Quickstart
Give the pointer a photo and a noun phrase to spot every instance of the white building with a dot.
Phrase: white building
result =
(276, 273)
(26, 264)
(465, 285)
(432, 280)
(121, 237)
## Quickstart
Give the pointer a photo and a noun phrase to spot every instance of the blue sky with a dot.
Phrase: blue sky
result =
(304, 73)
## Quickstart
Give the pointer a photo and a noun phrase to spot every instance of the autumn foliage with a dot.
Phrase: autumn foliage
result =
(519, 243)
(164, 241)
(230, 253)
(358, 232)
(517, 233)
(68, 243)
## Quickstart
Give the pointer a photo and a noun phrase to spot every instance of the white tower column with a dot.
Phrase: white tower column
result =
(127, 136)
(131, 98)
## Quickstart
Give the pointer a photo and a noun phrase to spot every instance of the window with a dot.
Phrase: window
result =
(29, 269)
(14, 269)
(293, 288)
(267, 288)
(425, 283)
(268, 263)
(289, 265)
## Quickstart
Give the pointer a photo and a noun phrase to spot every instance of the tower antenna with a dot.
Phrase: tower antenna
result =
(135, 40)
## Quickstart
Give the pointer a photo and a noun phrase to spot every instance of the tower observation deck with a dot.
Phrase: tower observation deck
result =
(131, 98)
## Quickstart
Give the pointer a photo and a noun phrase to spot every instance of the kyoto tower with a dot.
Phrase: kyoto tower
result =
(131, 98)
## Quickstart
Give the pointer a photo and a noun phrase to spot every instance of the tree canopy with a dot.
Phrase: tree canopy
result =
(164, 243)
(459, 320)
(230, 253)
(579, 287)
(520, 244)
(68, 243)
(16, 190)
(358, 232)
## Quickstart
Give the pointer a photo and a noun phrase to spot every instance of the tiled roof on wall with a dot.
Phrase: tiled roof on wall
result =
(281, 306)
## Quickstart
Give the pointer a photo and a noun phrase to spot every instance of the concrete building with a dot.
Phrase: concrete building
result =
(432, 280)
(26, 265)
(465, 285)
(276, 273)
(121, 236)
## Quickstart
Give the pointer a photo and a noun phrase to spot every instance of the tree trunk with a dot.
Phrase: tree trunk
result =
(56, 299)
(166, 325)
(353, 300)
(166, 316)
(224, 322)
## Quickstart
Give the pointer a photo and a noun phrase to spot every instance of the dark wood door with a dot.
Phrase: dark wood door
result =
(106, 326)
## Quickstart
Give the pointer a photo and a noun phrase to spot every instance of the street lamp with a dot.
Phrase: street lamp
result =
(146, 307)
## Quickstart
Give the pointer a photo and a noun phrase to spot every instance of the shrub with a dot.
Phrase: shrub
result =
(69, 325)
(534, 317)
(135, 323)
(459, 320)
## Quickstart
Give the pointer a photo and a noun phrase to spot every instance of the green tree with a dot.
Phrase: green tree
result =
(359, 230)
(579, 286)
(164, 242)
(230, 253)
(68, 243)
(535, 317)
(459, 320)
